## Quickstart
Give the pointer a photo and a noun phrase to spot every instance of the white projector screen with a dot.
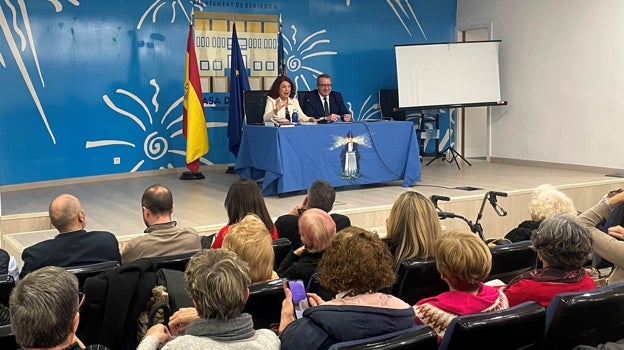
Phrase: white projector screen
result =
(448, 74)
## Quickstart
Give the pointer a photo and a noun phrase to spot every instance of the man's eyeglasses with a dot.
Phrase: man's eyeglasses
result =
(81, 299)
(324, 85)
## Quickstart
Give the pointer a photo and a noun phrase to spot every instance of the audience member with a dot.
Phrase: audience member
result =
(464, 262)
(218, 282)
(44, 310)
(163, 237)
(412, 227)
(317, 229)
(8, 265)
(320, 195)
(611, 246)
(73, 246)
(563, 246)
(325, 105)
(251, 241)
(281, 101)
(357, 264)
(545, 201)
(244, 197)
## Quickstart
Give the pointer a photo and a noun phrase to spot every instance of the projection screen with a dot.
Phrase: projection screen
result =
(448, 74)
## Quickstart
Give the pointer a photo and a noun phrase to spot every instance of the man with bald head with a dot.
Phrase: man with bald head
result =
(163, 236)
(73, 246)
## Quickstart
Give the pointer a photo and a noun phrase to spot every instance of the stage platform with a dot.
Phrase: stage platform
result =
(113, 204)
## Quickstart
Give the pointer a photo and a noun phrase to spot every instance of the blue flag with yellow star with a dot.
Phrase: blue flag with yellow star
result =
(238, 84)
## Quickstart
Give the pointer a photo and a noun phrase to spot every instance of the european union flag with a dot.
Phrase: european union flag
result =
(238, 84)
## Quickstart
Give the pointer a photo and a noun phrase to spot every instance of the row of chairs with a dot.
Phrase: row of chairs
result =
(577, 318)
(418, 279)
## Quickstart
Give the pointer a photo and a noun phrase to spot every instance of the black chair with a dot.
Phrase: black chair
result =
(281, 248)
(7, 339)
(173, 262)
(588, 318)
(518, 327)
(206, 241)
(389, 104)
(265, 303)
(418, 279)
(83, 272)
(510, 260)
(419, 337)
(253, 104)
(7, 283)
(314, 286)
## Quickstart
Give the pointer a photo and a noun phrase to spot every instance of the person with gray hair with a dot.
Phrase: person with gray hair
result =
(546, 200)
(321, 195)
(218, 282)
(44, 310)
(563, 246)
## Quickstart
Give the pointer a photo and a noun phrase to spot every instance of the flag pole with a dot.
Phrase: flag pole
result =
(194, 118)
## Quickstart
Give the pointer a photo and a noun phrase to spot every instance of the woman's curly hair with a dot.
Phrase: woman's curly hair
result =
(356, 261)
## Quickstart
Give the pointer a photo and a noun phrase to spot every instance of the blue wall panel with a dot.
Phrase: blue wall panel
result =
(84, 82)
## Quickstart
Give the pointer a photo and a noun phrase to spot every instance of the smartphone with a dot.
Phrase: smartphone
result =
(299, 297)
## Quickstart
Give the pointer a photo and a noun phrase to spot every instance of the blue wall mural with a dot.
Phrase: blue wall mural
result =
(85, 82)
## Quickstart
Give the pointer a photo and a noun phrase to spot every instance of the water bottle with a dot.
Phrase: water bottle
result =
(295, 116)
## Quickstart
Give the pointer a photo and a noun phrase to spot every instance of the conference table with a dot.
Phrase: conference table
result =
(291, 158)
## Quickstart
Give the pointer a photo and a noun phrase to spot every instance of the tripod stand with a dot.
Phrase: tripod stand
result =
(453, 158)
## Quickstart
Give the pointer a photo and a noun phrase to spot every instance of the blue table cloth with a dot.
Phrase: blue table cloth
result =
(343, 154)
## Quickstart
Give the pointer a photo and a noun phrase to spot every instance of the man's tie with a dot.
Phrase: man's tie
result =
(325, 106)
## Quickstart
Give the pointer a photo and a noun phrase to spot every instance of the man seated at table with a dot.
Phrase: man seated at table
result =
(325, 105)
(321, 195)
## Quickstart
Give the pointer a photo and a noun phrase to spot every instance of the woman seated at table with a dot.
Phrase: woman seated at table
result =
(281, 101)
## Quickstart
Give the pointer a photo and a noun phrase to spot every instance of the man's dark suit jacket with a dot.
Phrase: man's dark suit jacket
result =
(313, 105)
(71, 249)
(288, 227)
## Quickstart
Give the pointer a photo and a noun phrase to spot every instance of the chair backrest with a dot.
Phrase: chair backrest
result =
(388, 101)
(253, 104)
(173, 262)
(519, 327)
(206, 240)
(265, 303)
(418, 279)
(510, 260)
(314, 286)
(419, 337)
(82, 272)
(281, 248)
(7, 283)
(7, 339)
(589, 318)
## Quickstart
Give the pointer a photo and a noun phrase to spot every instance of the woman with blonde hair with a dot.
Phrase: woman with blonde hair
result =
(412, 227)
(251, 241)
(316, 228)
(545, 201)
(464, 262)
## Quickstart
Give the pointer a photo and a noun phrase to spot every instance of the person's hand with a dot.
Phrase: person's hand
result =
(295, 210)
(288, 309)
(333, 117)
(347, 118)
(615, 197)
(616, 231)
(181, 318)
(314, 299)
(160, 332)
(300, 250)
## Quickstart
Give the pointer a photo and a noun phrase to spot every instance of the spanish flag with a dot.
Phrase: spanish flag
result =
(194, 121)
